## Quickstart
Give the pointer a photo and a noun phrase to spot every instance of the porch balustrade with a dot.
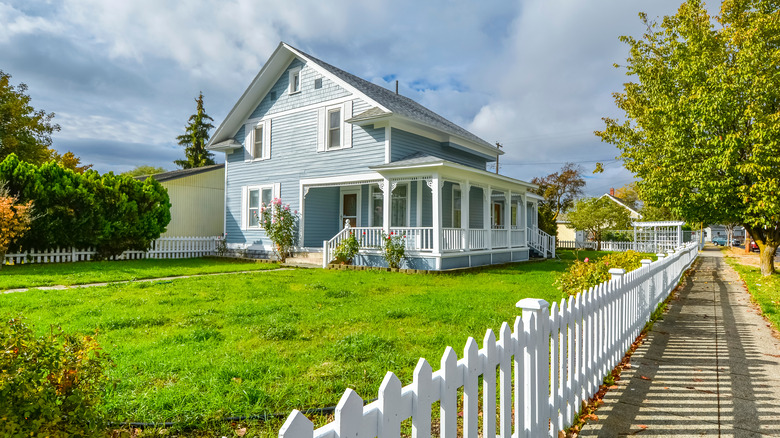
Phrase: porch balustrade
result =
(518, 237)
(500, 237)
(417, 238)
(478, 239)
(452, 239)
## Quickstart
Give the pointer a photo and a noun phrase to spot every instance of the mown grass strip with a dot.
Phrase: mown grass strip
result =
(50, 274)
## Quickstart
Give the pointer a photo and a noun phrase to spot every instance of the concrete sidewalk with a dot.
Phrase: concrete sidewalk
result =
(710, 368)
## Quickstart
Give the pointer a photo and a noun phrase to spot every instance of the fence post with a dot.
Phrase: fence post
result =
(349, 415)
(536, 365)
(647, 288)
(297, 426)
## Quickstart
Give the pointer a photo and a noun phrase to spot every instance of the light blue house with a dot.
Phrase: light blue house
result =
(341, 150)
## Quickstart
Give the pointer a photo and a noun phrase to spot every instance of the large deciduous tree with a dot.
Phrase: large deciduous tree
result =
(703, 117)
(559, 190)
(23, 130)
(195, 138)
(597, 215)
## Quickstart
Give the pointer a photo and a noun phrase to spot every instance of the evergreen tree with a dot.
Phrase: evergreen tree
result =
(195, 138)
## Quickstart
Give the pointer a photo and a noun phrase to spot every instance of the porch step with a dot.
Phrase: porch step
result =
(306, 259)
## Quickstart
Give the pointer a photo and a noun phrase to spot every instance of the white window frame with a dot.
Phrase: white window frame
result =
(456, 187)
(351, 190)
(323, 127)
(328, 140)
(249, 146)
(293, 73)
(373, 189)
(246, 213)
(408, 205)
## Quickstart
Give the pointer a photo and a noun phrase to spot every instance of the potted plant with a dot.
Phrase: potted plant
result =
(346, 250)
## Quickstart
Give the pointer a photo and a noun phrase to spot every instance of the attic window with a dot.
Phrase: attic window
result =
(295, 80)
(318, 83)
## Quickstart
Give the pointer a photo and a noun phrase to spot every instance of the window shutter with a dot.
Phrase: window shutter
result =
(267, 140)
(249, 139)
(321, 116)
(346, 128)
(244, 207)
(277, 190)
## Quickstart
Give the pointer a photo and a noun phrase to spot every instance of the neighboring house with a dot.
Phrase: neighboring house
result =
(340, 149)
(567, 233)
(197, 200)
(721, 231)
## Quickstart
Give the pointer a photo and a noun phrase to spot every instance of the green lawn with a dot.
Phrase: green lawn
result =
(49, 274)
(765, 290)
(204, 348)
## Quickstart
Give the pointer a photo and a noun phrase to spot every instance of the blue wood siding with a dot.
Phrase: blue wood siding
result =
(427, 207)
(476, 208)
(294, 157)
(322, 211)
(403, 144)
(308, 95)
(446, 205)
(413, 204)
(365, 219)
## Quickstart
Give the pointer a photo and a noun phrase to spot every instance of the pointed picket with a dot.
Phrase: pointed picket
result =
(471, 389)
(297, 426)
(490, 361)
(349, 415)
(389, 406)
(505, 345)
(423, 389)
(449, 394)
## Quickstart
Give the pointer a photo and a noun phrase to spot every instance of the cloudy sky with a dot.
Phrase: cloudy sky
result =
(121, 76)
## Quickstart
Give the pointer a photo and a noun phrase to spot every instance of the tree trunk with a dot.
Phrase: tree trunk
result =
(768, 259)
(2, 259)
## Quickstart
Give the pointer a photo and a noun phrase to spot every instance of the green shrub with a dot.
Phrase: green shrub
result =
(347, 249)
(50, 385)
(585, 274)
(393, 249)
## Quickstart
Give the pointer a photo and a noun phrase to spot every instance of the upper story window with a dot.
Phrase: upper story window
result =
(334, 128)
(295, 80)
(333, 132)
(257, 143)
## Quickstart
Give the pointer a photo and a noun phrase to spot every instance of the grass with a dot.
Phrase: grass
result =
(50, 274)
(764, 290)
(200, 349)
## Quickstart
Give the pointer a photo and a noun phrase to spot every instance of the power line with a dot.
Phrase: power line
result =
(605, 162)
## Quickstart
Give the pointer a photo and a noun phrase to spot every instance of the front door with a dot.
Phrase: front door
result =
(350, 201)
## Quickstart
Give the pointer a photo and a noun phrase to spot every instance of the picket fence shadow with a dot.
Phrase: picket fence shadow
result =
(555, 358)
(162, 248)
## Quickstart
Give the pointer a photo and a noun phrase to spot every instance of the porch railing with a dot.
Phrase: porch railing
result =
(453, 239)
(499, 237)
(478, 239)
(541, 241)
(417, 238)
(518, 237)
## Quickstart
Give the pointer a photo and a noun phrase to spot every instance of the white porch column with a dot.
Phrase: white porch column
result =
(524, 216)
(436, 201)
(487, 197)
(465, 213)
(508, 217)
(386, 198)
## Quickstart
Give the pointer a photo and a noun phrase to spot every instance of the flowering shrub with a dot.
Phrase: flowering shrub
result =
(347, 249)
(15, 220)
(585, 274)
(393, 249)
(50, 385)
(280, 225)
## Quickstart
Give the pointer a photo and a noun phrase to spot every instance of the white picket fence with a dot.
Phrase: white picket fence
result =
(560, 353)
(162, 248)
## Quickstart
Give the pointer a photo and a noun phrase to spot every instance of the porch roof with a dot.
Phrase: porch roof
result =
(416, 163)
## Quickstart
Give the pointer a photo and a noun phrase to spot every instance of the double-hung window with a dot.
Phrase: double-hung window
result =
(258, 140)
(398, 207)
(334, 128)
(258, 198)
(456, 207)
(295, 81)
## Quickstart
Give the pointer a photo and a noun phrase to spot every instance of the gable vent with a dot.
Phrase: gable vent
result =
(318, 83)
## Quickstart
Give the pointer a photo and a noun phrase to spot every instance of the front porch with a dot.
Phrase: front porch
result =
(449, 215)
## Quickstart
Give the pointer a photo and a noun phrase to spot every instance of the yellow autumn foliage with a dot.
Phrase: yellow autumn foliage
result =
(15, 219)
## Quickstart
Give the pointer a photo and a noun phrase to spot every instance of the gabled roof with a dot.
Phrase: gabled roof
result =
(384, 102)
(181, 173)
(619, 202)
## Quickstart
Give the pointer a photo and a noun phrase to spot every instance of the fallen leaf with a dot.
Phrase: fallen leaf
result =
(666, 387)
(645, 378)
(697, 380)
(642, 426)
(241, 432)
(613, 387)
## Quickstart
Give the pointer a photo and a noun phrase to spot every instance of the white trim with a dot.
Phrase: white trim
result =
(225, 200)
(249, 140)
(371, 192)
(245, 219)
(302, 217)
(388, 140)
(333, 77)
(345, 128)
(301, 109)
(408, 203)
(418, 215)
(350, 191)
(340, 179)
(291, 74)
